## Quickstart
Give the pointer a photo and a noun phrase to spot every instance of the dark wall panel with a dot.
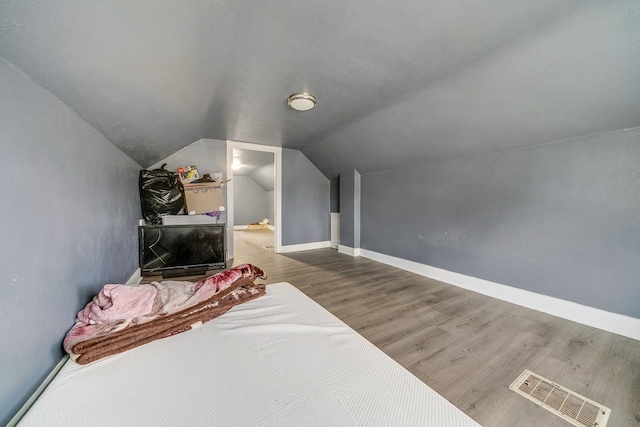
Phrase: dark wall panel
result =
(335, 194)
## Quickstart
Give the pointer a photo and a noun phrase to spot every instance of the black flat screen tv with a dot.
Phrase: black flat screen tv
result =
(178, 250)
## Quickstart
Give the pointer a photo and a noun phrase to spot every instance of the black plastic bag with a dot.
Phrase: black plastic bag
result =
(160, 194)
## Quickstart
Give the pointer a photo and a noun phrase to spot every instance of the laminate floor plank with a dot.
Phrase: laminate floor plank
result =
(416, 346)
(466, 346)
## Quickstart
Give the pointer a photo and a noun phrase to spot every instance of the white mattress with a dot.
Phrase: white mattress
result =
(278, 360)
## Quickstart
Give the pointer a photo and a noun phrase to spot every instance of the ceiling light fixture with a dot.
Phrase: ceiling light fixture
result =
(302, 101)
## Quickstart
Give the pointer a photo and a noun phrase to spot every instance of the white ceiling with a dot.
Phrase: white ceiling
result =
(398, 83)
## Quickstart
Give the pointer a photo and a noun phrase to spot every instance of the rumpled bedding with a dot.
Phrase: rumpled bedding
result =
(123, 317)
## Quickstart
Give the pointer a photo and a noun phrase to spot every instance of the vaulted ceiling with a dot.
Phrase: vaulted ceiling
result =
(398, 83)
(257, 165)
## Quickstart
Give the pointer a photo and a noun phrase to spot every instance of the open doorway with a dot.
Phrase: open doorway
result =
(253, 194)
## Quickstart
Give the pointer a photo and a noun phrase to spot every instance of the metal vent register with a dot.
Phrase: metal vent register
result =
(571, 406)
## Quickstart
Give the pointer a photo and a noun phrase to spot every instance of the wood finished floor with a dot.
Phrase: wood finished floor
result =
(466, 346)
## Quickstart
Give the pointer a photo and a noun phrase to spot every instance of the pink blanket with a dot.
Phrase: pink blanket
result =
(117, 307)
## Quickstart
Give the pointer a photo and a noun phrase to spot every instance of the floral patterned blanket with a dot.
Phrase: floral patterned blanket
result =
(122, 317)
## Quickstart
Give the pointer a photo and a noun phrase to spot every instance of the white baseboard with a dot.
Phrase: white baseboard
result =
(612, 322)
(334, 245)
(348, 250)
(18, 416)
(133, 280)
(304, 247)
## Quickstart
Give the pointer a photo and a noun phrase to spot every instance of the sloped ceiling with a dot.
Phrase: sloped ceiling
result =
(257, 165)
(398, 83)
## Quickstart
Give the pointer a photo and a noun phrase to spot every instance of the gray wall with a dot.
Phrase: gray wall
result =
(69, 214)
(250, 201)
(560, 219)
(209, 155)
(305, 190)
(265, 176)
(305, 200)
(271, 209)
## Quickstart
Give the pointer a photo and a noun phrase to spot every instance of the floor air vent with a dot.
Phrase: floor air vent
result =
(571, 406)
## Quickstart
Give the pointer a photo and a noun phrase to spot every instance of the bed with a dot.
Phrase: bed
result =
(280, 359)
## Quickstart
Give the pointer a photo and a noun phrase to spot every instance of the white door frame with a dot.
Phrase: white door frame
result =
(277, 151)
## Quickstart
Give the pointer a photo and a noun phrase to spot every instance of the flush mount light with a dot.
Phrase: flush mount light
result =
(302, 101)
